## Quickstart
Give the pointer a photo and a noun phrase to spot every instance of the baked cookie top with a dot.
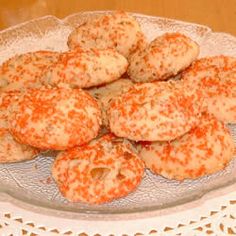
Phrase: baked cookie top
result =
(55, 118)
(159, 111)
(118, 30)
(101, 171)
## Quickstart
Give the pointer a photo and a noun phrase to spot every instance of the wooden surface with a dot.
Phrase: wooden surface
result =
(220, 15)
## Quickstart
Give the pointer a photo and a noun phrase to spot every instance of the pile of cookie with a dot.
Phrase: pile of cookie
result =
(112, 106)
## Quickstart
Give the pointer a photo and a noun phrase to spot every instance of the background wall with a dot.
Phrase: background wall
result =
(218, 14)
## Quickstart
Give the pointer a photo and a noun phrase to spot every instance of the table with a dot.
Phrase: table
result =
(220, 15)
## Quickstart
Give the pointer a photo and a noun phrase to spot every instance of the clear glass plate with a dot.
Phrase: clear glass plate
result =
(31, 183)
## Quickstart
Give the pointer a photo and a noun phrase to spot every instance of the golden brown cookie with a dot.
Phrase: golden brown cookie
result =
(159, 111)
(25, 70)
(12, 151)
(55, 118)
(165, 57)
(99, 172)
(217, 77)
(104, 94)
(118, 30)
(204, 150)
(86, 68)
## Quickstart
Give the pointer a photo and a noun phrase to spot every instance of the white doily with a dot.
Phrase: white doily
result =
(215, 215)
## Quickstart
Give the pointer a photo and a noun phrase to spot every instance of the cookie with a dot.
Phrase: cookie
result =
(217, 77)
(104, 94)
(6, 99)
(117, 30)
(25, 70)
(158, 111)
(103, 170)
(86, 68)
(165, 57)
(12, 151)
(204, 150)
(55, 119)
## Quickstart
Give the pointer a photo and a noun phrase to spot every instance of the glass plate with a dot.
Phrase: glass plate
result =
(30, 182)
